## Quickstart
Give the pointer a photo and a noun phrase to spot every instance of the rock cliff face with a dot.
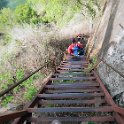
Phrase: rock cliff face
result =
(108, 43)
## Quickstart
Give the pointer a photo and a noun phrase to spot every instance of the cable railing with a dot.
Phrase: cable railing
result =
(113, 68)
(101, 60)
(22, 80)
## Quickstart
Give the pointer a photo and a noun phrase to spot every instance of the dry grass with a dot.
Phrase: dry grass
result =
(31, 47)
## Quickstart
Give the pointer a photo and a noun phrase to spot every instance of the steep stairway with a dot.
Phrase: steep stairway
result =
(70, 96)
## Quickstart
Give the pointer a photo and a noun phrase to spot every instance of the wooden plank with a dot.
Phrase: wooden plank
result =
(77, 62)
(73, 78)
(73, 90)
(71, 67)
(72, 86)
(76, 70)
(73, 82)
(70, 109)
(66, 102)
(71, 71)
(76, 83)
(69, 63)
(66, 68)
(73, 119)
(70, 95)
(73, 74)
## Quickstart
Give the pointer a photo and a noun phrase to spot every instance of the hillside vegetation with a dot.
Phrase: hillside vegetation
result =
(33, 32)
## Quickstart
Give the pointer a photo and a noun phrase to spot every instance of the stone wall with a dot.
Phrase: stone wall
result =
(108, 43)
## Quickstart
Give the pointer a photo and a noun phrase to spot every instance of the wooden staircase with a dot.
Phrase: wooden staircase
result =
(70, 96)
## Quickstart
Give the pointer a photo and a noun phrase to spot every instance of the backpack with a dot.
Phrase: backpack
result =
(76, 50)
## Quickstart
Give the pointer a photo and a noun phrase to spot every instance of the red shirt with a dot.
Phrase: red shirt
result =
(70, 48)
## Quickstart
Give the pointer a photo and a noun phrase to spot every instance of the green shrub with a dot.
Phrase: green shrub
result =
(19, 74)
(62, 11)
(31, 91)
(91, 65)
(5, 80)
(7, 19)
(25, 14)
(28, 85)
(6, 100)
(57, 11)
(91, 11)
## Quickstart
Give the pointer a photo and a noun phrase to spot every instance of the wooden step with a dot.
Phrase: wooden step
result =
(88, 90)
(68, 102)
(70, 109)
(70, 95)
(72, 86)
(73, 78)
(73, 119)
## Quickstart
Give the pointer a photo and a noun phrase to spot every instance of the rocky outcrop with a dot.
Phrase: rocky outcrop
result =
(108, 43)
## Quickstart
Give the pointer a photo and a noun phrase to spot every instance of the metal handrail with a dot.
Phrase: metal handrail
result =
(101, 60)
(108, 97)
(22, 80)
(113, 68)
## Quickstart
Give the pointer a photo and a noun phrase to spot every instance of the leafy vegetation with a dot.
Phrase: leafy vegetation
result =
(25, 14)
(6, 100)
(31, 91)
(45, 11)
(91, 10)
(7, 19)
(92, 64)
(57, 11)
(15, 13)
(27, 86)
(5, 80)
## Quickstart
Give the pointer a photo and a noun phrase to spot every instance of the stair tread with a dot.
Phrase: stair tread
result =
(74, 119)
(70, 95)
(70, 109)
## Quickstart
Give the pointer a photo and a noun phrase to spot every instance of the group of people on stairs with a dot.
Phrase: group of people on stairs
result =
(76, 48)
